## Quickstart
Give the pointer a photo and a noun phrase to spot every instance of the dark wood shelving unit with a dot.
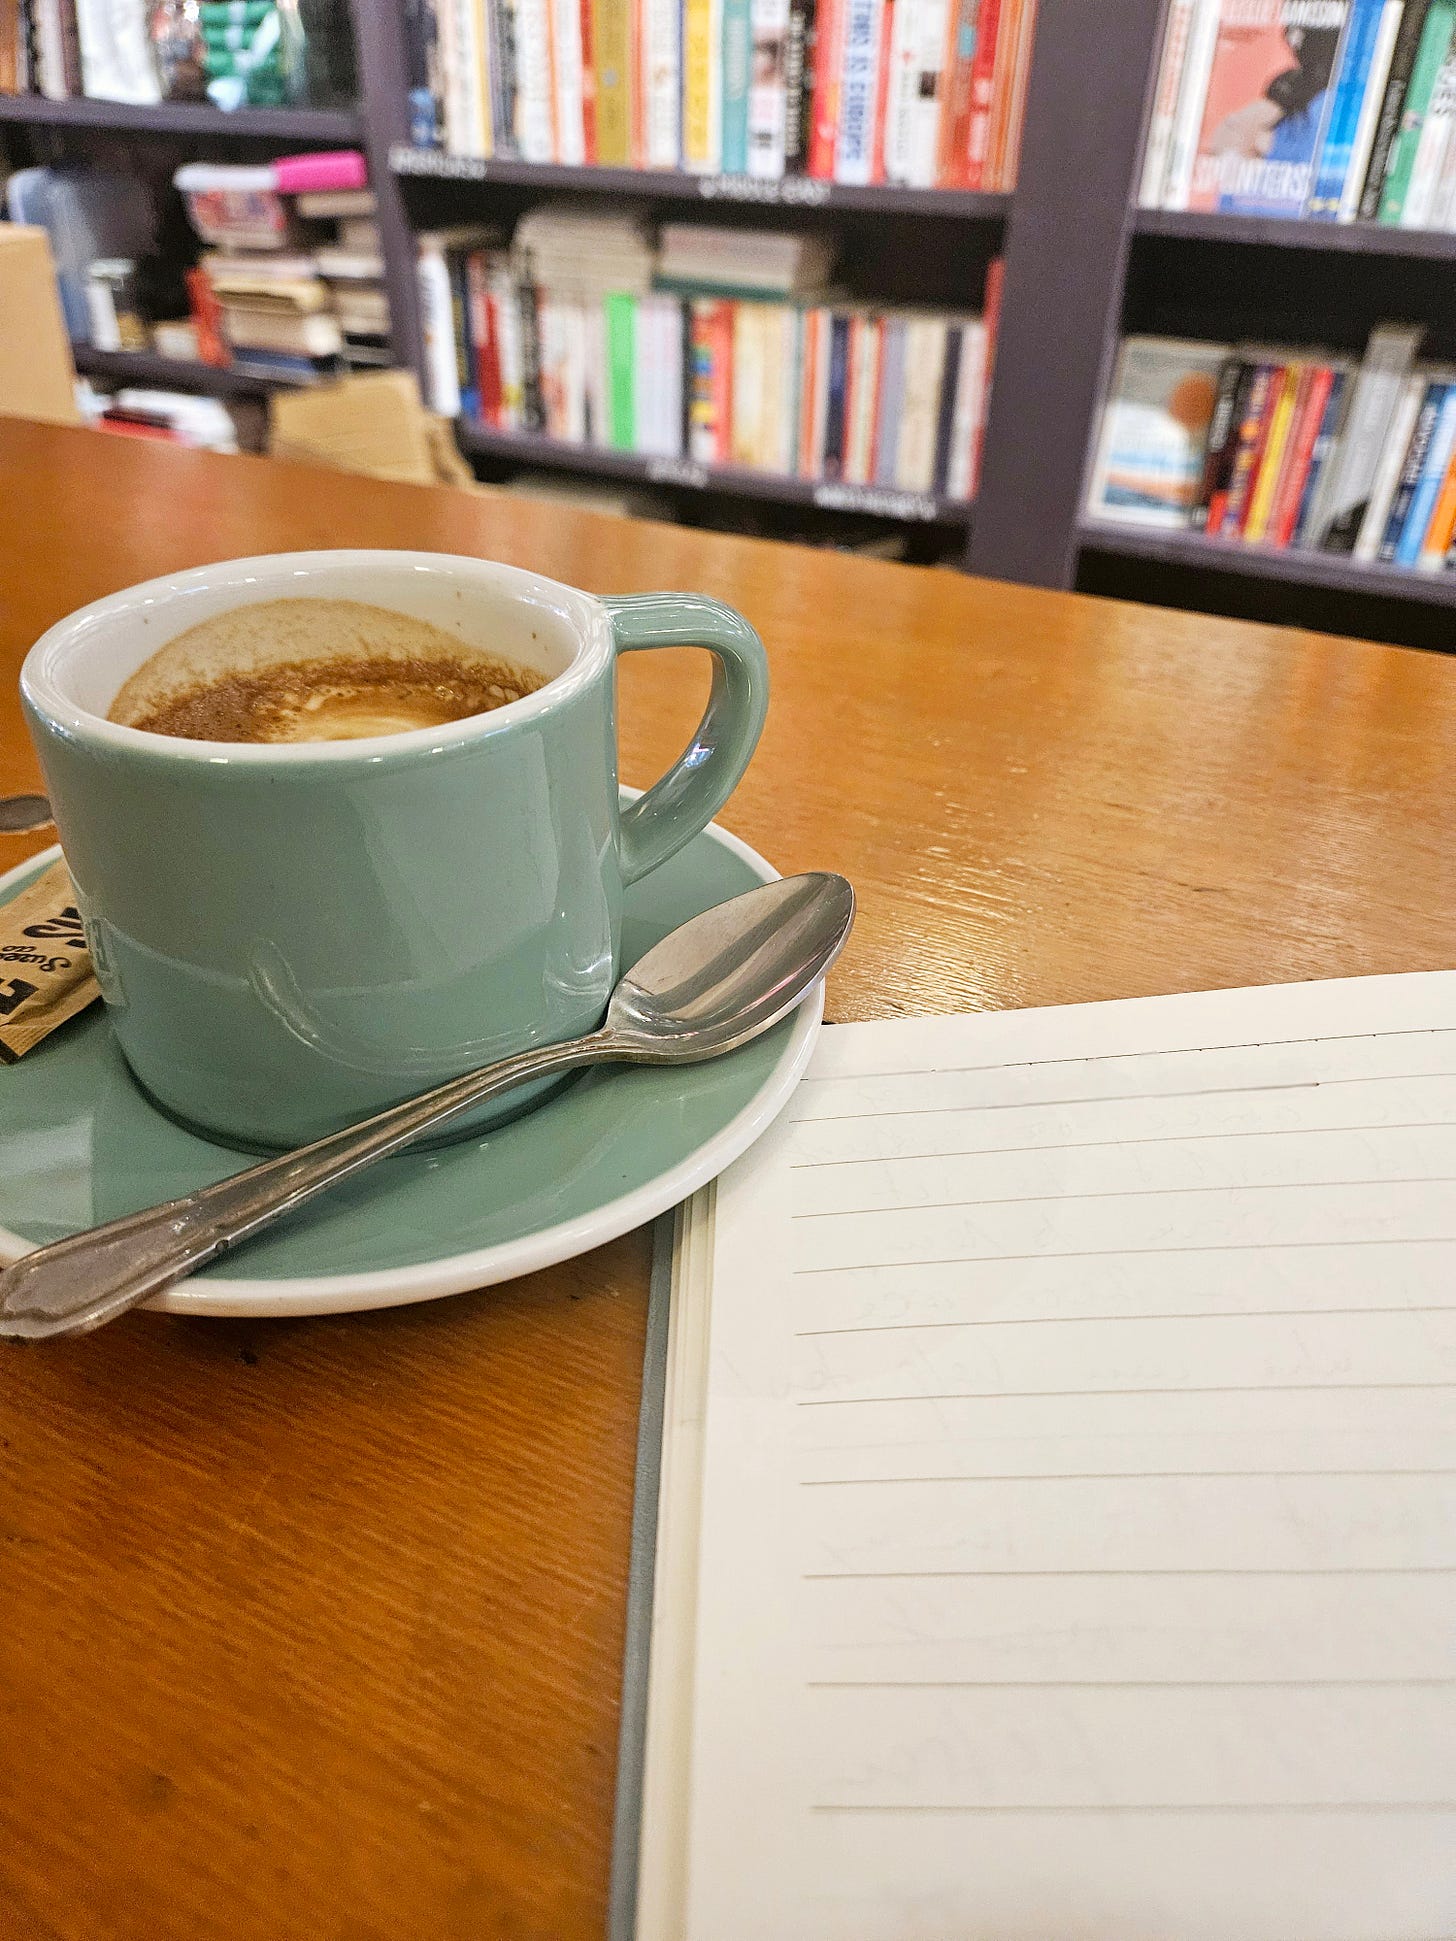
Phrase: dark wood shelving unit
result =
(1353, 238)
(146, 368)
(680, 185)
(309, 125)
(1265, 563)
(1079, 265)
(685, 474)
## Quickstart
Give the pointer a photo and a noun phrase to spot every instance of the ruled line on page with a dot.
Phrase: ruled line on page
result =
(1111, 1057)
(1109, 1098)
(1092, 1145)
(1125, 1193)
(1089, 1320)
(1036, 1394)
(1121, 1684)
(1145, 1806)
(1105, 1476)
(1149, 1570)
(1110, 1253)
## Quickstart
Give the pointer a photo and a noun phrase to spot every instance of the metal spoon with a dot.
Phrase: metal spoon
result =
(715, 983)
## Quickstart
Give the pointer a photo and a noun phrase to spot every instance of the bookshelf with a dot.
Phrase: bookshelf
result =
(736, 481)
(147, 369)
(1083, 264)
(311, 126)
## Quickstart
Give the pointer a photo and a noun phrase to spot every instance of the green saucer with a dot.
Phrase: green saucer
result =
(79, 1144)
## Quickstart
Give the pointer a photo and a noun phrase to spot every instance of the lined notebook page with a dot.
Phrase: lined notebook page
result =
(1077, 1543)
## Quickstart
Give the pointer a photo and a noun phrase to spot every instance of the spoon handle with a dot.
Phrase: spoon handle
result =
(76, 1284)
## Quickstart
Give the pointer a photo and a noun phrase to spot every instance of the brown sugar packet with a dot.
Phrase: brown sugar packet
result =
(45, 967)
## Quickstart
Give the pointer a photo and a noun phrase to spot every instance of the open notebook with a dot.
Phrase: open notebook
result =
(1056, 1524)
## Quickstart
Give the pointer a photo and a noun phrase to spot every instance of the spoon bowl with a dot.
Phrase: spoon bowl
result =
(724, 977)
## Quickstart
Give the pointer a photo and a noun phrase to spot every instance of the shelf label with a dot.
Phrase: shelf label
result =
(798, 191)
(835, 497)
(678, 471)
(405, 160)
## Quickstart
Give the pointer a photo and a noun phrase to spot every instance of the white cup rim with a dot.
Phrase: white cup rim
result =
(263, 575)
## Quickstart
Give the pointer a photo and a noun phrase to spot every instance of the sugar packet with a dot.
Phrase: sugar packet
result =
(45, 967)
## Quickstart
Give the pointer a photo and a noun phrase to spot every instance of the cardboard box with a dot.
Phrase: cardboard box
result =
(37, 379)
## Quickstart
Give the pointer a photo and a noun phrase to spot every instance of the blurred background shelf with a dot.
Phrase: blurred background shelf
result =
(906, 508)
(1334, 570)
(340, 125)
(1352, 238)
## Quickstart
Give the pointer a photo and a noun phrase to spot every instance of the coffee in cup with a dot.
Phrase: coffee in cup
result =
(314, 670)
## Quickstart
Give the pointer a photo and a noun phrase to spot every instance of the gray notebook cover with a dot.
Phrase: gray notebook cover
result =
(631, 1738)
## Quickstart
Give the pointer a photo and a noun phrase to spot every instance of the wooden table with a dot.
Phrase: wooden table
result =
(314, 1628)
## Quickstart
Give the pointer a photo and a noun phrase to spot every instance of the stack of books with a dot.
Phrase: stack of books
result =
(923, 93)
(1285, 448)
(724, 348)
(1326, 110)
(271, 297)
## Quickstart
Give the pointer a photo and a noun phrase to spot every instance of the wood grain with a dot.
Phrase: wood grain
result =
(314, 1627)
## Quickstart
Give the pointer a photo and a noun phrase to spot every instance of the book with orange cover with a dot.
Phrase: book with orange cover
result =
(983, 89)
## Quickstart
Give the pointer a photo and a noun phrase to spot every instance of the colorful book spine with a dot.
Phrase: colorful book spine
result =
(1442, 530)
(1387, 34)
(1390, 463)
(1254, 407)
(702, 85)
(859, 89)
(983, 90)
(1159, 141)
(797, 63)
(612, 51)
(955, 117)
(1387, 122)
(831, 463)
(621, 371)
(735, 55)
(1218, 451)
(535, 135)
(1271, 458)
(1008, 43)
(1430, 59)
(437, 329)
(1349, 85)
(890, 11)
(566, 81)
(587, 16)
(1409, 470)
(1309, 416)
(660, 85)
(824, 116)
(1435, 143)
(1008, 161)
(768, 88)
(945, 423)
(925, 88)
(1324, 445)
(710, 412)
(1427, 489)
(1192, 93)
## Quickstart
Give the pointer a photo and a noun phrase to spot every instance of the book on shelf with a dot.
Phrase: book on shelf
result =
(919, 93)
(1299, 449)
(1321, 110)
(581, 342)
(1149, 460)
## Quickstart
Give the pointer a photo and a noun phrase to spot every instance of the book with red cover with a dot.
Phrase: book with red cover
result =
(983, 90)
(212, 344)
(828, 59)
(1309, 415)
(955, 113)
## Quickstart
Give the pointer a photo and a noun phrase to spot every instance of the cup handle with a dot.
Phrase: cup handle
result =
(697, 785)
